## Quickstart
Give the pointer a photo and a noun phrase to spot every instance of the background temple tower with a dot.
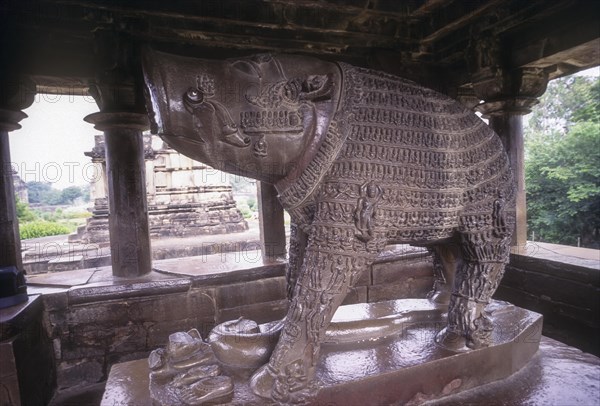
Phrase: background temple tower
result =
(185, 198)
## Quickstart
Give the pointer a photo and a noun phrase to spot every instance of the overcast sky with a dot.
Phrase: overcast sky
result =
(50, 146)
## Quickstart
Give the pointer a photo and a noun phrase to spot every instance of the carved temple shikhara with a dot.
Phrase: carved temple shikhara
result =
(358, 118)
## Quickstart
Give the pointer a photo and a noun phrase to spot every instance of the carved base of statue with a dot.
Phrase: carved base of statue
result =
(377, 353)
(186, 372)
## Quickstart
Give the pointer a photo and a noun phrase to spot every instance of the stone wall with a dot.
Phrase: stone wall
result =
(94, 327)
(567, 295)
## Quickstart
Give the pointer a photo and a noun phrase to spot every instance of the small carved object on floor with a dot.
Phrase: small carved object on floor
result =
(360, 159)
(186, 372)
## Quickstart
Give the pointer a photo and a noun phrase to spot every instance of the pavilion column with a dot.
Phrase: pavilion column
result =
(16, 94)
(509, 127)
(506, 98)
(10, 241)
(272, 228)
(506, 95)
(128, 207)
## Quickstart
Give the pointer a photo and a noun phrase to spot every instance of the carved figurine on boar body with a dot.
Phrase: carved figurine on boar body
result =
(360, 159)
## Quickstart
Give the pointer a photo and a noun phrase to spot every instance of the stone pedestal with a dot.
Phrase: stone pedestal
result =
(405, 367)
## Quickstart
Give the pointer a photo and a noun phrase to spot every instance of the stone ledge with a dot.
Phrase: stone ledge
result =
(86, 294)
(14, 319)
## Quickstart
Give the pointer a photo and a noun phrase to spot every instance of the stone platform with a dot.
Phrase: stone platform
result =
(407, 368)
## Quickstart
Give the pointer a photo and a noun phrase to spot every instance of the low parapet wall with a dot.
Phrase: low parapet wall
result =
(111, 320)
(564, 288)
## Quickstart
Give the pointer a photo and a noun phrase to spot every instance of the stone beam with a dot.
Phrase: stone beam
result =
(570, 37)
(570, 61)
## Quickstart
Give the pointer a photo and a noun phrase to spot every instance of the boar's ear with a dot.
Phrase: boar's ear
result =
(247, 67)
(317, 88)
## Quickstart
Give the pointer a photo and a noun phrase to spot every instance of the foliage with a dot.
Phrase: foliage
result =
(70, 194)
(33, 224)
(36, 229)
(244, 208)
(44, 193)
(24, 212)
(563, 163)
(252, 204)
(38, 191)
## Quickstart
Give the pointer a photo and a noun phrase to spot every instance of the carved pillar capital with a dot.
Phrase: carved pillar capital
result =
(467, 97)
(106, 121)
(501, 88)
(16, 94)
(504, 91)
(118, 84)
(9, 119)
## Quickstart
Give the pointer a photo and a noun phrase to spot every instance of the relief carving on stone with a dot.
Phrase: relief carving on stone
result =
(360, 159)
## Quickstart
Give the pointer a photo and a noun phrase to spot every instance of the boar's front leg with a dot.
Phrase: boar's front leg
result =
(332, 263)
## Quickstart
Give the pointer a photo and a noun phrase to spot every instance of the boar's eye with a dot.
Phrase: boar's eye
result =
(194, 95)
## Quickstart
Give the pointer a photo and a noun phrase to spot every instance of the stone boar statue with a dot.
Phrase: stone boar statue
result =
(360, 159)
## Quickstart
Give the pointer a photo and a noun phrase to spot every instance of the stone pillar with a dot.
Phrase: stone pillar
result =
(10, 241)
(506, 99)
(506, 95)
(272, 228)
(125, 174)
(16, 94)
(509, 127)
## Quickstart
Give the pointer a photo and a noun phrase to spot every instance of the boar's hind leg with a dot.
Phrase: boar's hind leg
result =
(485, 249)
(446, 261)
(327, 272)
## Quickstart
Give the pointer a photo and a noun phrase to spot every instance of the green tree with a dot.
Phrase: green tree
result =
(24, 212)
(563, 163)
(44, 193)
(71, 193)
(38, 191)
